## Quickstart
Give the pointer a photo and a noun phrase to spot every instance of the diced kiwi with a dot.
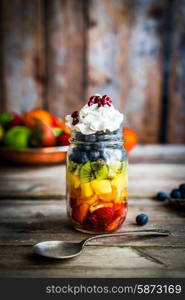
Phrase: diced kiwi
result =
(93, 170)
(100, 169)
(73, 168)
(117, 168)
(86, 172)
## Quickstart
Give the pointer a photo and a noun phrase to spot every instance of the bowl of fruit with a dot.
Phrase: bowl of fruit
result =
(36, 137)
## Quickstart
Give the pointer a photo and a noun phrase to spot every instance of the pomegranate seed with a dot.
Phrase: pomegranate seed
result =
(92, 98)
(75, 121)
(104, 97)
(99, 103)
(103, 101)
(97, 99)
(108, 104)
(75, 114)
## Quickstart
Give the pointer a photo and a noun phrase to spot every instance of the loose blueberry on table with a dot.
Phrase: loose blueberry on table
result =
(141, 219)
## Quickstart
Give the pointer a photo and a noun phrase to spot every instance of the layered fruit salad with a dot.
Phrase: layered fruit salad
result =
(96, 167)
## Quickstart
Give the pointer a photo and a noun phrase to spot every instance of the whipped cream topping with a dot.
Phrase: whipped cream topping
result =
(93, 118)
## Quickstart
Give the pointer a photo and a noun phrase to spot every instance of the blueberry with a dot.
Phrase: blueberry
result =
(98, 146)
(71, 157)
(176, 194)
(141, 219)
(90, 138)
(104, 154)
(79, 156)
(183, 195)
(101, 137)
(94, 155)
(80, 137)
(83, 158)
(161, 196)
(83, 147)
(182, 187)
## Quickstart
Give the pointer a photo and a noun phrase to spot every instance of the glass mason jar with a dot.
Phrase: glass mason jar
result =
(96, 180)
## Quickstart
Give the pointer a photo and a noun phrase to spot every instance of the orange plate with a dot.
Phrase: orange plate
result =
(37, 156)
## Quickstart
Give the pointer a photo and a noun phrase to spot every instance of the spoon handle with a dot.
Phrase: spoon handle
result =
(158, 232)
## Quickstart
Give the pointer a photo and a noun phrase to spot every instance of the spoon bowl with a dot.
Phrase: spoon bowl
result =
(58, 249)
(65, 250)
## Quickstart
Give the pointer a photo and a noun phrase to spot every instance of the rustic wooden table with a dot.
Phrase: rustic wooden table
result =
(32, 209)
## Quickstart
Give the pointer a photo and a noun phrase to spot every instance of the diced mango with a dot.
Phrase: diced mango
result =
(119, 184)
(95, 206)
(74, 193)
(86, 190)
(89, 200)
(106, 197)
(101, 186)
(119, 181)
(74, 180)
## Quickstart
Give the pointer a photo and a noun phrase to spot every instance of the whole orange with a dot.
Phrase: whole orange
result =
(130, 138)
(29, 118)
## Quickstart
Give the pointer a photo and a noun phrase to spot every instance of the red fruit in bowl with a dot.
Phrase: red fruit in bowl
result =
(16, 120)
(42, 135)
(10, 119)
(55, 122)
(58, 123)
(63, 139)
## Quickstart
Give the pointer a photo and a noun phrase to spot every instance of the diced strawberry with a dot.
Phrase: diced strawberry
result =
(120, 209)
(91, 222)
(72, 202)
(104, 215)
(79, 213)
(63, 139)
(114, 224)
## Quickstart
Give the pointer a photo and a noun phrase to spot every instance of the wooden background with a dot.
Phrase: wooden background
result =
(55, 53)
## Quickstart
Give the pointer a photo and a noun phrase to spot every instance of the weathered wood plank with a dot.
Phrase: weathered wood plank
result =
(158, 154)
(145, 180)
(22, 51)
(95, 262)
(65, 46)
(176, 130)
(28, 222)
(125, 60)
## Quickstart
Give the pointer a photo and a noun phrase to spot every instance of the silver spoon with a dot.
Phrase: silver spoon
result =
(61, 249)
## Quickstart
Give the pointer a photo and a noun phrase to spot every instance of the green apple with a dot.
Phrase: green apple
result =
(5, 118)
(1, 132)
(17, 137)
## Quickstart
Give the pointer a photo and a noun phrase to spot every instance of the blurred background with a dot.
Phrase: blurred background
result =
(56, 53)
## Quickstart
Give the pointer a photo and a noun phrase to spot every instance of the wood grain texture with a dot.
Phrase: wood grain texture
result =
(23, 223)
(176, 132)
(120, 262)
(145, 180)
(162, 168)
(125, 60)
(22, 51)
(65, 46)
(31, 221)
